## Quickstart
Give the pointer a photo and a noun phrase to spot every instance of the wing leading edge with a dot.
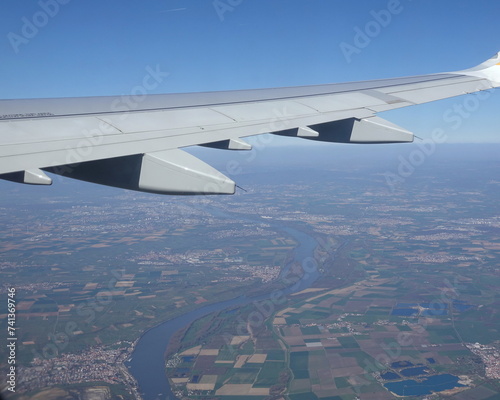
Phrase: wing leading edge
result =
(136, 144)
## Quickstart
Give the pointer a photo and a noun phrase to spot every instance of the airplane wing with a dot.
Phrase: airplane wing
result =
(135, 142)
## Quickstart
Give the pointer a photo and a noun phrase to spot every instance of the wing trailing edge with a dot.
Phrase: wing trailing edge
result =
(138, 148)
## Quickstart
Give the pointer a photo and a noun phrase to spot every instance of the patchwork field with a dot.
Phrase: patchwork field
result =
(352, 341)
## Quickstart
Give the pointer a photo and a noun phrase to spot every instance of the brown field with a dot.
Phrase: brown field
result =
(237, 340)
(193, 351)
(124, 283)
(50, 394)
(179, 380)
(209, 352)
(240, 361)
(201, 386)
(257, 358)
(243, 389)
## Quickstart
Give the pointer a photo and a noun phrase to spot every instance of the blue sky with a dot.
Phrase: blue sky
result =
(58, 48)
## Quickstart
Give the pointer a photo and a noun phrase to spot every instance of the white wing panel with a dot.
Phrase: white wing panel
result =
(343, 101)
(392, 106)
(420, 96)
(36, 131)
(268, 110)
(447, 79)
(146, 121)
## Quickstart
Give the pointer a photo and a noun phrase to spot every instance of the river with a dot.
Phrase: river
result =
(147, 363)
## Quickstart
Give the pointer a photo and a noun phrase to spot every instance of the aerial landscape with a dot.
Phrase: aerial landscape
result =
(272, 200)
(325, 282)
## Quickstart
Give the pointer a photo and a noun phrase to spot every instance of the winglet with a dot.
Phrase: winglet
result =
(490, 69)
(495, 60)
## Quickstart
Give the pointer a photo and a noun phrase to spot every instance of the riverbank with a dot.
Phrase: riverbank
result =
(147, 363)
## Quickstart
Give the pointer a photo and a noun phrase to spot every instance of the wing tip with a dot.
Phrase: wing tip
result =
(489, 69)
(490, 62)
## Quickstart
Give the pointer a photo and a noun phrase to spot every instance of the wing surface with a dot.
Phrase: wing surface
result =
(135, 142)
